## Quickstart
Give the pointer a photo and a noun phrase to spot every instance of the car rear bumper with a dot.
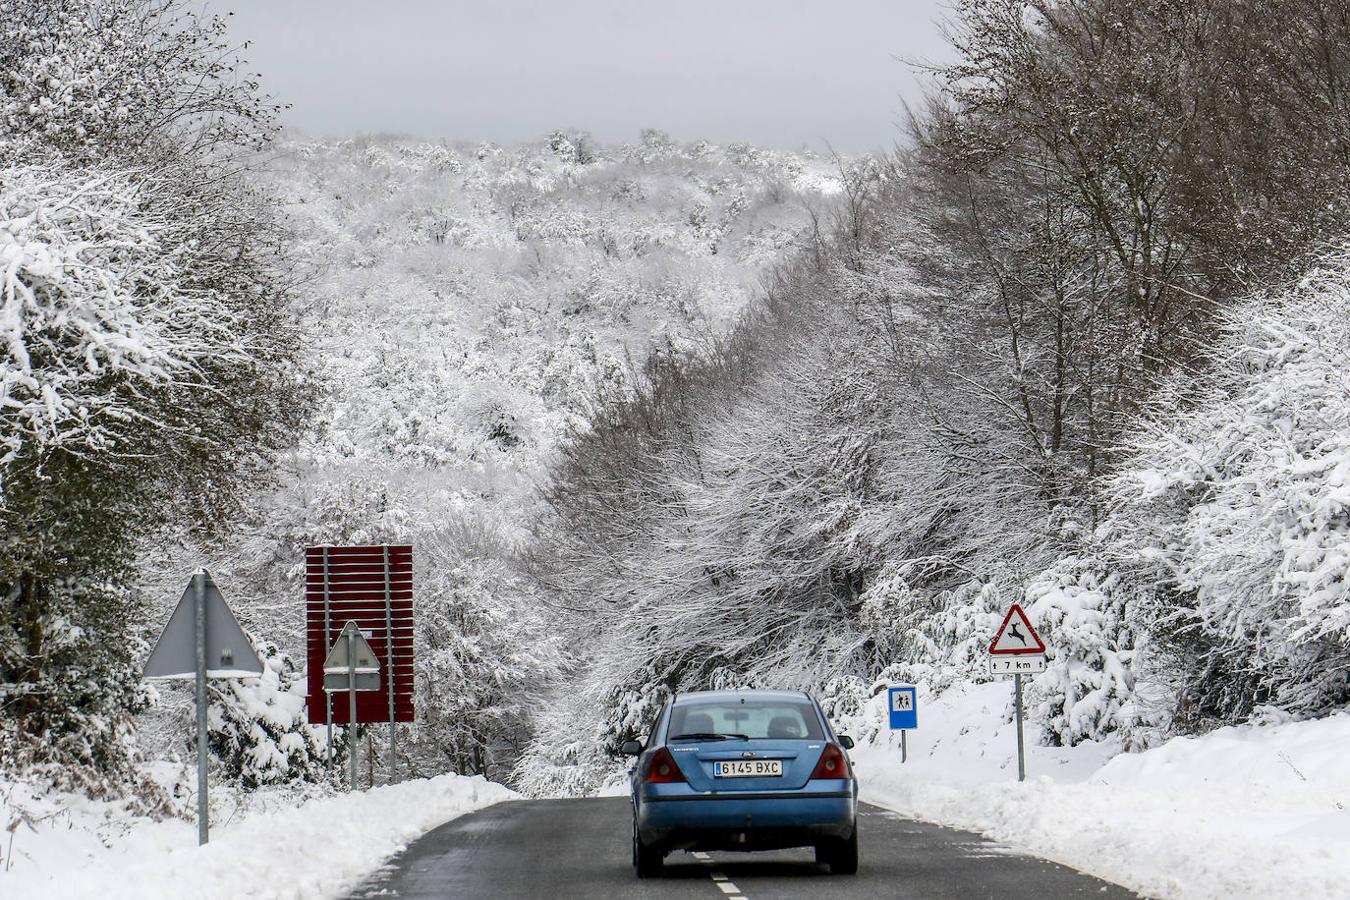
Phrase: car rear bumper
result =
(747, 821)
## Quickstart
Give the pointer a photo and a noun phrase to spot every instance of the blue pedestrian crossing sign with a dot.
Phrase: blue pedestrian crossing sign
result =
(903, 703)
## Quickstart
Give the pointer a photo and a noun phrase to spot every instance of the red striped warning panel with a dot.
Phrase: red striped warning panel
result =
(373, 587)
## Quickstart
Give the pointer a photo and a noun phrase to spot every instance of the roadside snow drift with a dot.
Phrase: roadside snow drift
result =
(1250, 811)
(84, 848)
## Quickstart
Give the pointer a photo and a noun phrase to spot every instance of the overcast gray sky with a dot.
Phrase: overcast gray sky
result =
(781, 73)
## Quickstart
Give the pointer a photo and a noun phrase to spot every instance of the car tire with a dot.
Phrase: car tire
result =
(840, 856)
(648, 861)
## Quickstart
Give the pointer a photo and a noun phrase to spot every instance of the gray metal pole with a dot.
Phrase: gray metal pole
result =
(327, 642)
(1017, 705)
(904, 749)
(199, 627)
(389, 666)
(351, 710)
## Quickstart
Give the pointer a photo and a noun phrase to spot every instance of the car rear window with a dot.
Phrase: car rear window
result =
(781, 719)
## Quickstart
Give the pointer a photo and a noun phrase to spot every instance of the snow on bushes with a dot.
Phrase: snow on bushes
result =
(93, 311)
(1237, 506)
(1087, 689)
(258, 729)
(87, 75)
(71, 726)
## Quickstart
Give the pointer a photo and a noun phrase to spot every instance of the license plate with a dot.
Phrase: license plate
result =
(748, 768)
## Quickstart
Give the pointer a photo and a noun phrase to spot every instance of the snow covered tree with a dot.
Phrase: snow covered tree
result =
(1233, 508)
(68, 715)
(102, 333)
(1084, 617)
(257, 726)
(93, 78)
(483, 656)
(146, 354)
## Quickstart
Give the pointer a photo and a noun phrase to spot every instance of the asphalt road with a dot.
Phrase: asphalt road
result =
(580, 848)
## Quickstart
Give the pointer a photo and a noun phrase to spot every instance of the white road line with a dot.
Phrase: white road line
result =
(723, 884)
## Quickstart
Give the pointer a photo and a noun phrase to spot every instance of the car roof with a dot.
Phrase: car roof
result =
(705, 696)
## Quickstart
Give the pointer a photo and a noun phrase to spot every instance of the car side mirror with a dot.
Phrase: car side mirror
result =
(846, 742)
(631, 748)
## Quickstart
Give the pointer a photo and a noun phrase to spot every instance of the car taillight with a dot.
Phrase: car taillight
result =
(661, 768)
(833, 763)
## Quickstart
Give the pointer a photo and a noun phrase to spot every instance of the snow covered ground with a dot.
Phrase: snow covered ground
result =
(1251, 811)
(77, 847)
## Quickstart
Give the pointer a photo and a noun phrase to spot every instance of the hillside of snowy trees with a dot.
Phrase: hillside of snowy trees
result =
(1081, 344)
(674, 415)
(225, 344)
(463, 309)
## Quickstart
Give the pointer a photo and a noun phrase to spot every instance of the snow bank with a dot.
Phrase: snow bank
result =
(1241, 812)
(322, 848)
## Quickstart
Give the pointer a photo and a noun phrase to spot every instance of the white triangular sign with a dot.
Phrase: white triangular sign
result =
(1016, 636)
(337, 662)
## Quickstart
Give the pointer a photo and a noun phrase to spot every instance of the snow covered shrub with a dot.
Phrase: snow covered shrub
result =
(1237, 505)
(579, 730)
(843, 698)
(257, 726)
(566, 757)
(69, 720)
(629, 711)
(86, 76)
(1086, 692)
(890, 610)
(937, 640)
(483, 652)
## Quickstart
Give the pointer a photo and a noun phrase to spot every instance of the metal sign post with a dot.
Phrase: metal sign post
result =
(351, 708)
(351, 666)
(202, 640)
(199, 629)
(1017, 650)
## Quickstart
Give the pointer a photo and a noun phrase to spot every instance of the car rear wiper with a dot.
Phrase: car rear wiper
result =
(709, 736)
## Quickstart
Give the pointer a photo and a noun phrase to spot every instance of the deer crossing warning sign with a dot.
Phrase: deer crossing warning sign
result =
(1016, 649)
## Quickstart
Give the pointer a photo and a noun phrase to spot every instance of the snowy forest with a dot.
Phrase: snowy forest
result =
(1080, 343)
(670, 415)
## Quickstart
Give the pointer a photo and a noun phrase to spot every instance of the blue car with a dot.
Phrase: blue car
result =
(743, 770)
